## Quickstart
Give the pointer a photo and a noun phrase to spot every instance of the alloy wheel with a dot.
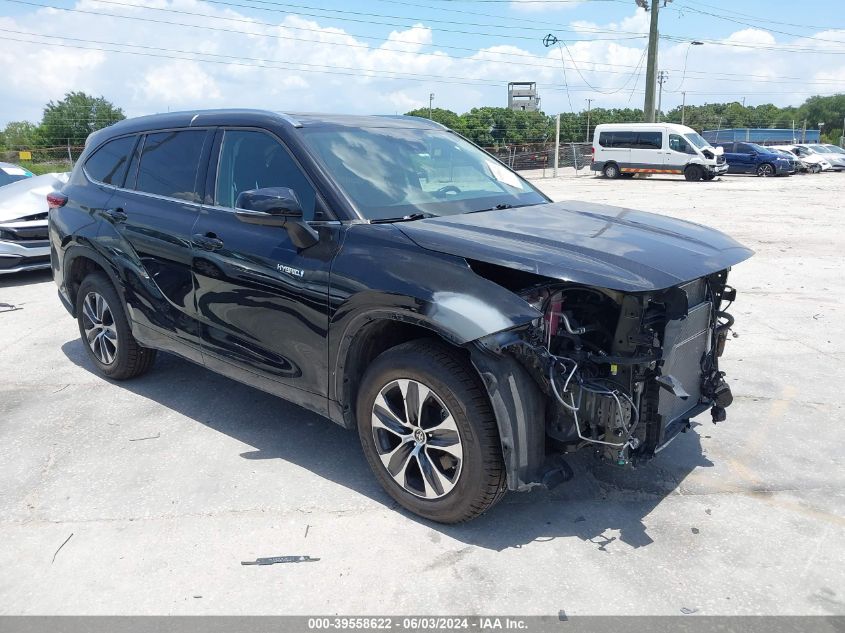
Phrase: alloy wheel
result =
(417, 439)
(100, 330)
(765, 170)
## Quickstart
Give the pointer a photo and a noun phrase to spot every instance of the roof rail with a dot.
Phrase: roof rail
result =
(292, 120)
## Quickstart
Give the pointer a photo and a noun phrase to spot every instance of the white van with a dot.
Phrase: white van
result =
(625, 149)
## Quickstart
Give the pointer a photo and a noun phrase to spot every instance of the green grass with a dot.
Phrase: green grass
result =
(45, 168)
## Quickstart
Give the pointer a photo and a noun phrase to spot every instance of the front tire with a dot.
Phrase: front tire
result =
(693, 173)
(429, 434)
(105, 331)
(765, 170)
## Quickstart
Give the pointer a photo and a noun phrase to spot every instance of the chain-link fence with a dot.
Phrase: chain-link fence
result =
(44, 159)
(541, 156)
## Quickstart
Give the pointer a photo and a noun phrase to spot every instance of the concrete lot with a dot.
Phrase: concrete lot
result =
(169, 481)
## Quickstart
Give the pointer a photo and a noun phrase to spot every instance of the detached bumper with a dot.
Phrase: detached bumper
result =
(24, 246)
(17, 257)
(718, 170)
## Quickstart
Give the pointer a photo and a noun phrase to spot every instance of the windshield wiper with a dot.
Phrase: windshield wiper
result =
(405, 218)
(499, 207)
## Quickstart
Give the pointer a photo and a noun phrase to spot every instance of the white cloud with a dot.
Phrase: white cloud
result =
(179, 84)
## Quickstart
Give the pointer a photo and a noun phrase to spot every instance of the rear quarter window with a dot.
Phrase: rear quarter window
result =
(108, 163)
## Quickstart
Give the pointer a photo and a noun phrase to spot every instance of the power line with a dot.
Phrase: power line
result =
(681, 8)
(724, 76)
(755, 25)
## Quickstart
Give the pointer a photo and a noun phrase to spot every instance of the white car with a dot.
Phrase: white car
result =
(815, 161)
(23, 223)
(836, 159)
(626, 149)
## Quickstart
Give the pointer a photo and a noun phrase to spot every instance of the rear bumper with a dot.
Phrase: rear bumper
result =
(24, 255)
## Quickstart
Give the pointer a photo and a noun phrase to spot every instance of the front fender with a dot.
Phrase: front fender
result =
(380, 273)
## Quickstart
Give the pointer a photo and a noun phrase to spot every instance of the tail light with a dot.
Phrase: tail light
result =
(592, 154)
(56, 200)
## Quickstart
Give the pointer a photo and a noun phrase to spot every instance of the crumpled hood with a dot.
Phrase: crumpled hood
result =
(27, 197)
(582, 242)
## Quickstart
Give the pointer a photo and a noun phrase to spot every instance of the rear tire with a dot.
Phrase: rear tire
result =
(105, 331)
(693, 173)
(401, 435)
(611, 170)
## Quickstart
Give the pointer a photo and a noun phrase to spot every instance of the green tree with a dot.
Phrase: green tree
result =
(73, 118)
(19, 135)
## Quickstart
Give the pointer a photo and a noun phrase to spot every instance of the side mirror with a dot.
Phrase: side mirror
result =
(273, 201)
(276, 206)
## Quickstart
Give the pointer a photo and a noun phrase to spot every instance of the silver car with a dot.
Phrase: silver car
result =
(23, 223)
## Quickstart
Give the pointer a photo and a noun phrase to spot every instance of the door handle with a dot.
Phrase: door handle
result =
(117, 214)
(208, 241)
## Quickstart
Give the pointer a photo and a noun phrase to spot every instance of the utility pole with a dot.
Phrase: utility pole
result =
(683, 105)
(430, 99)
(589, 104)
(804, 132)
(651, 68)
(557, 143)
(662, 76)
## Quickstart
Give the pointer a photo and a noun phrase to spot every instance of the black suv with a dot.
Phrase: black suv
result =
(391, 276)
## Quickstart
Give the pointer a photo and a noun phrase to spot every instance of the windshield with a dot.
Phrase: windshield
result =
(396, 172)
(697, 140)
(835, 149)
(821, 149)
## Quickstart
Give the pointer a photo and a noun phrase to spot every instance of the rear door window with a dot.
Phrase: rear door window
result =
(108, 163)
(169, 164)
(650, 140)
(624, 140)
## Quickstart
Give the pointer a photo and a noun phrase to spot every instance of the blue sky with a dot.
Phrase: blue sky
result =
(386, 56)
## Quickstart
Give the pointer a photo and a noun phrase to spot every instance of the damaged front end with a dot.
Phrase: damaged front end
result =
(622, 373)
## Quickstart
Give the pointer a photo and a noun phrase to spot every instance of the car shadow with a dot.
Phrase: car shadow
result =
(601, 504)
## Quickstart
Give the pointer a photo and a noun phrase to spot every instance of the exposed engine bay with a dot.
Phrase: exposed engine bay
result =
(625, 373)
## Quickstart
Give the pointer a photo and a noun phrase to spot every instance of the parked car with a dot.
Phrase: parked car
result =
(836, 149)
(835, 158)
(393, 277)
(750, 158)
(10, 173)
(627, 149)
(23, 223)
(815, 162)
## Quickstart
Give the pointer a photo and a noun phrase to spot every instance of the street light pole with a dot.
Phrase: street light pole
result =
(662, 76)
(683, 106)
(430, 99)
